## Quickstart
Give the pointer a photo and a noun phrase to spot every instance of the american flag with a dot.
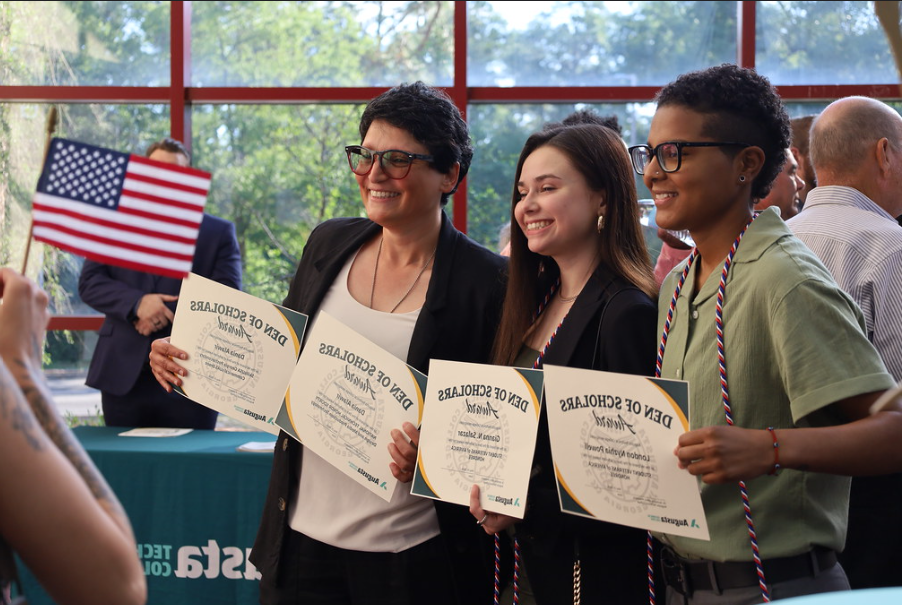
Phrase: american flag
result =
(119, 209)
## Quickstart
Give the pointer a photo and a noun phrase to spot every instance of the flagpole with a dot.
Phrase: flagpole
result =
(50, 129)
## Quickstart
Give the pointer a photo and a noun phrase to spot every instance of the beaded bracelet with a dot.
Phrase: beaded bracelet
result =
(777, 468)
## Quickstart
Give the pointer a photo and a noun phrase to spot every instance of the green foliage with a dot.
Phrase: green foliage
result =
(822, 43)
(95, 419)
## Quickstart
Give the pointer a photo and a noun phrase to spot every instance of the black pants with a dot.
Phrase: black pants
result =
(872, 557)
(149, 405)
(613, 566)
(313, 573)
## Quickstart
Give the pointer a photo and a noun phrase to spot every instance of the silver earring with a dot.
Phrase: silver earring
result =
(741, 178)
(600, 223)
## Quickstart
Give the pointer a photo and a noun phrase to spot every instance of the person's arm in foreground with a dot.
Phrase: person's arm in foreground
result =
(56, 510)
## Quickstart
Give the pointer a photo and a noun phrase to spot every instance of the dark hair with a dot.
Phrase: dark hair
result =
(800, 128)
(739, 105)
(432, 118)
(170, 145)
(599, 154)
(587, 116)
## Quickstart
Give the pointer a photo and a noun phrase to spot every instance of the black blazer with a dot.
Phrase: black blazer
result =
(457, 322)
(611, 327)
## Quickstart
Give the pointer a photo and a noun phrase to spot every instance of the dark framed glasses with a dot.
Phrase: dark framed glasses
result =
(394, 162)
(669, 154)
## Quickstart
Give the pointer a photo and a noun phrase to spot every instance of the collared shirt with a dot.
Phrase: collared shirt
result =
(794, 344)
(861, 245)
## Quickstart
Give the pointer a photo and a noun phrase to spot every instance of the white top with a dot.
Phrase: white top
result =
(330, 506)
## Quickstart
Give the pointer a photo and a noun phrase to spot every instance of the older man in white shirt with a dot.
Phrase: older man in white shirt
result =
(849, 221)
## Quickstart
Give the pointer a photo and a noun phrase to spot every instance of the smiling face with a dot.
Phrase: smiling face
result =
(557, 211)
(706, 191)
(402, 203)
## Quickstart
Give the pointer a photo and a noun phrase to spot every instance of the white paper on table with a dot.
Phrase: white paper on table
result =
(155, 432)
(345, 397)
(257, 446)
(612, 440)
(241, 350)
(479, 427)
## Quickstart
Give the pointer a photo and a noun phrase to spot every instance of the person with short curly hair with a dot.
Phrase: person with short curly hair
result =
(779, 413)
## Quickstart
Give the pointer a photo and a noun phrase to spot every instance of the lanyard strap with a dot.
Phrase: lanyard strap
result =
(725, 400)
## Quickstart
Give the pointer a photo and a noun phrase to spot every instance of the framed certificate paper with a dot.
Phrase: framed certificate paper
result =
(612, 440)
(241, 350)
(479, 427)
(345, 397)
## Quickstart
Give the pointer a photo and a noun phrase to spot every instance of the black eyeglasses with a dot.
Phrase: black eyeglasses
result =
(669, 154)
(395, 163)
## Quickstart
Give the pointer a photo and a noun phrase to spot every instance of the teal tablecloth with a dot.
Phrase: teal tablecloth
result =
(194, 503)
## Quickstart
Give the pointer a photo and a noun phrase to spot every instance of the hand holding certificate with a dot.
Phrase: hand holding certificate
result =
(345, 397)
(241, 350)
(612, 440)
(480, 429)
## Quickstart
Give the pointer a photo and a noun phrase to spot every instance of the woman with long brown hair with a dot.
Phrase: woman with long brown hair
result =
(580, 294)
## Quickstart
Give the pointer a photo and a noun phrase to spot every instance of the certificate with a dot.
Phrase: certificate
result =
(345, 397)
(479, 427)
(612, 440)
(241, 350)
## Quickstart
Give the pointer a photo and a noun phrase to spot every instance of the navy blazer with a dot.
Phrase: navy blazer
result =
(122, 351)
(457, 322)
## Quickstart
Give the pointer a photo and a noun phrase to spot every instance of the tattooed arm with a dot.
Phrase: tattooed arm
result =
(56, 510)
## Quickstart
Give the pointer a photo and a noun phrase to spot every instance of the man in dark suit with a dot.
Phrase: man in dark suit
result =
(139, 308)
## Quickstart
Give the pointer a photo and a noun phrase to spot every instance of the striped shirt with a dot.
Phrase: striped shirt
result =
(861, 245)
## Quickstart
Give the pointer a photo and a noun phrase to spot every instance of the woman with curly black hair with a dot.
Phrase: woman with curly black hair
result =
(770, 391)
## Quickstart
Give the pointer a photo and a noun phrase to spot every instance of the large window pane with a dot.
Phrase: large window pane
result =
(596, 43)
(322, 43)
(822, 43)
(499, 132)
(84, 43)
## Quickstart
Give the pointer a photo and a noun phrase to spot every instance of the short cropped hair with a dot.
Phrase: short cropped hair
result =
(739, 105)
(432, 118)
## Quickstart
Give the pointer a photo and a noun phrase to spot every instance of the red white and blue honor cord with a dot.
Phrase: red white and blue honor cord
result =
(725, 399)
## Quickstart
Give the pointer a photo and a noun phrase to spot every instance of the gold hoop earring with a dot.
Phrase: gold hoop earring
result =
(600, 223)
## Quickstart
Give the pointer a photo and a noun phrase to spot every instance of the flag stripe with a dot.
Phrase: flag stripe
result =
(129, 239)
(89, 249)
(137, 212)
(166, 184)
(163, 204)
(135, 220)
(190, 176)
(59, 231)
(164, 193)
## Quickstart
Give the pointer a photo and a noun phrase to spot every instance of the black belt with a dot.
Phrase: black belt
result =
(687, 576)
